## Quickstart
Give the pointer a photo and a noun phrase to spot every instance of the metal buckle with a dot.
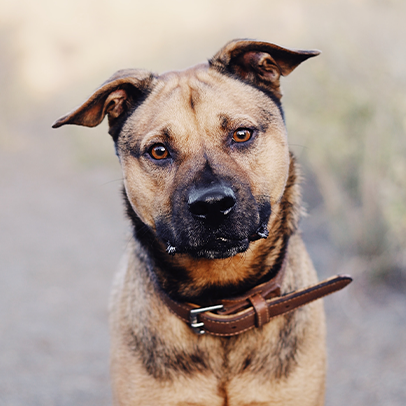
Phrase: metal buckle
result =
(198, 326)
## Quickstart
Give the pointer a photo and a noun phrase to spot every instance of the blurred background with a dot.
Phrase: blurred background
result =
(62, 229)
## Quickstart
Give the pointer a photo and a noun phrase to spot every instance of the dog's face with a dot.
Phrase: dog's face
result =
(194, 155)
(204, 151)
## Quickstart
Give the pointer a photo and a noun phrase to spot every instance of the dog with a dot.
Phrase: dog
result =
(215, 303)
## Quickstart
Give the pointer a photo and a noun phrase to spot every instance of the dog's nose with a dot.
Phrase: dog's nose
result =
(211, 203)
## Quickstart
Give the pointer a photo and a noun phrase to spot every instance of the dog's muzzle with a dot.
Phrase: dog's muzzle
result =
(213, 219)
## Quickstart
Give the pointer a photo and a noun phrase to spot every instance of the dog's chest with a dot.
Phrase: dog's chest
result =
(167, 347)
(172, 352)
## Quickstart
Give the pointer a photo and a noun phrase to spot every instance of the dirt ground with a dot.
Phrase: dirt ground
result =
(62, 233)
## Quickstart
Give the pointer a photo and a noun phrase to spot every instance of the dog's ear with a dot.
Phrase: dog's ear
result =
(114, 97)
(259, 63)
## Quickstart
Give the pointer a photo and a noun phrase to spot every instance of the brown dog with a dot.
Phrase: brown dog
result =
(212, 193)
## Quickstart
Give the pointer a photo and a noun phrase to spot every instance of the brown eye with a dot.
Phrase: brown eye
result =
(242, 135)
(158, 151)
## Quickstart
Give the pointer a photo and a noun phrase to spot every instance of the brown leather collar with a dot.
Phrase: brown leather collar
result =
(252, 309)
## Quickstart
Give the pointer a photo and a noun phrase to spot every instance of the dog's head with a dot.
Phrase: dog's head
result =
(204, 151)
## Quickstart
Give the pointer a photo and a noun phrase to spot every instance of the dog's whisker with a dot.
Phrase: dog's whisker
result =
(170, 249)
(112, 181)
(298, 145)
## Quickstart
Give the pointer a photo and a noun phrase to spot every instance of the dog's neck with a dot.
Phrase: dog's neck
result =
(204, 281)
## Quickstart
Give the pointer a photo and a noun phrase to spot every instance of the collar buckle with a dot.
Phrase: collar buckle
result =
(196, 325)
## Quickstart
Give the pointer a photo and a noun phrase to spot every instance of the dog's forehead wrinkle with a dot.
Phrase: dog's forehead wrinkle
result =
(189, 81)
(164, 132)
(267, 114)
(230, 121)
(223, 121)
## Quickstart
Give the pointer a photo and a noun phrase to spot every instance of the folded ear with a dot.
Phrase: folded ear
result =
(259, 63)
(114, 97)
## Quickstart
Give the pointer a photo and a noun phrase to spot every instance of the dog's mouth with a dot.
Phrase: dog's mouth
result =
(218, 248)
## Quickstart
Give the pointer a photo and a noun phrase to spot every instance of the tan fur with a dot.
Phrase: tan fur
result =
(262, 385)
(156, 359)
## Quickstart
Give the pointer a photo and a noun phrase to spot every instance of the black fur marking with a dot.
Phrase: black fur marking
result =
(281, 357)
(287, 347)
(224, 122)
(192, 103)
(272, 96)
(247, 362)
(167, 133)
(164, 362)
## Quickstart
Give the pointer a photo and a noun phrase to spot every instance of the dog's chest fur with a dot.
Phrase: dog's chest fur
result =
(160, 344)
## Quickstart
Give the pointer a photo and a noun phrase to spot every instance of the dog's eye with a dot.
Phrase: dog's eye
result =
(159, 151)
(242, 135)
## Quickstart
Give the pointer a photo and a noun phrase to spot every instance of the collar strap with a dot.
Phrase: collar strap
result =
(254, 309)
